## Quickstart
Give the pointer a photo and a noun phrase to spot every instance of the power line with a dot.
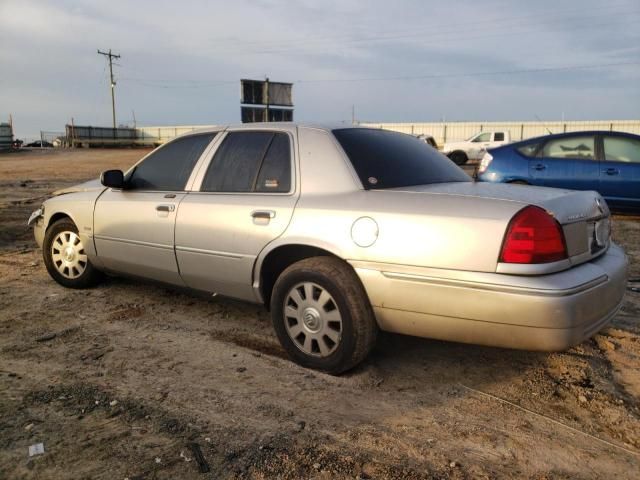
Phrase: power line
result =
(474, 74)
(212, 83)
(111, 56)
(455, 35)
(454, 28)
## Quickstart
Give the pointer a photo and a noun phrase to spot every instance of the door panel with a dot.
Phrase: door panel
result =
(620, 171)
(134, 231)
(246, 200)
(219, 236)
(567, 162)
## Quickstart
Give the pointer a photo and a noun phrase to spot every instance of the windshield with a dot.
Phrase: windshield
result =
(385, 159)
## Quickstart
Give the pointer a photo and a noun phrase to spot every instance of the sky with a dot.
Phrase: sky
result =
(389, 61)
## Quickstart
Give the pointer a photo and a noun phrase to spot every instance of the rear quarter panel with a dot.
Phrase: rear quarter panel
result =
(431, 230)
(507, 166)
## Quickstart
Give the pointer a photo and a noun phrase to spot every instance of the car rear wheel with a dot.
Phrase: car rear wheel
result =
(322, 315)
(459, 158)
(65, 256)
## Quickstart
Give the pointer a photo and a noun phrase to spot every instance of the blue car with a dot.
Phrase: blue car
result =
(608, 162)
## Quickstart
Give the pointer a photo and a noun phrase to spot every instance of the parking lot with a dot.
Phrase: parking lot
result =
(121, 381)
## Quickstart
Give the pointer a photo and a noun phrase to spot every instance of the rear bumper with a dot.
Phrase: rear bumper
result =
(547, 312)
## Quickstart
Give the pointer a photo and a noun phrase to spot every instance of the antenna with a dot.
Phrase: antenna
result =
(545, 127)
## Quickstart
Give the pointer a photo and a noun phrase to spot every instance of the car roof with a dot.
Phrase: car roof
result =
(286, 126)
(571, 134)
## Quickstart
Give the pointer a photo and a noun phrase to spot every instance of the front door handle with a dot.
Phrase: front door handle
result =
(540, 166)
(264, 214)
(612, 171)
(165, 208)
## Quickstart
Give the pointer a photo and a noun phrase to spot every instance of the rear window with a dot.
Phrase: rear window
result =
(384, 159)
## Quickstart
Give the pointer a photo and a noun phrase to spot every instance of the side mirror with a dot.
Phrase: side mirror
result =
(112, 178)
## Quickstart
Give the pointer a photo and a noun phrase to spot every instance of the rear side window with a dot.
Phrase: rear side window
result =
(577, 148)
(275, 172)
(498, 137)
(528, 150)
(621, 149)
(250, 161)
(169, 167)
(385, 159)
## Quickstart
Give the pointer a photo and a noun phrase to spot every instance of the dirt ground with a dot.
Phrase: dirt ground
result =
(122, 380)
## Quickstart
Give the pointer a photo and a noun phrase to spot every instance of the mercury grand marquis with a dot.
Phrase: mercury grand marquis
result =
(342, 232)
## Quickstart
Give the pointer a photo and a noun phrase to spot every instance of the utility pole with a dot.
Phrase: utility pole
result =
(111, 56)
(266, 94)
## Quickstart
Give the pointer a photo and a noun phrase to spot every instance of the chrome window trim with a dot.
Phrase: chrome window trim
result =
(293, 144)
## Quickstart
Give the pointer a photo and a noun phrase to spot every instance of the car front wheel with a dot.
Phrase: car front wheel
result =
(65, 257)
(459, 158)
(322, 315)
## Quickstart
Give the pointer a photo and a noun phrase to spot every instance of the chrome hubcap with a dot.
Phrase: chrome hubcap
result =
(312, 319)
(67, 254)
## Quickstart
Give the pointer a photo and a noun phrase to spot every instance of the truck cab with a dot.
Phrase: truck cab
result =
(474, 147)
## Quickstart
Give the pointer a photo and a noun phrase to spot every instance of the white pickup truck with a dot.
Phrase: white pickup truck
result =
(475, 146)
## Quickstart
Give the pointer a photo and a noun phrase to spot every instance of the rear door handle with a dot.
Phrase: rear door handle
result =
(165, 208)
(612, 171)
(266, 214)
(540, 167)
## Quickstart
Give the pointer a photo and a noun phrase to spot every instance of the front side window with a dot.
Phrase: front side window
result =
(577, 148)
(169, 167)
(483, 137)
(621, 149)
(385, 159)
(250, 162)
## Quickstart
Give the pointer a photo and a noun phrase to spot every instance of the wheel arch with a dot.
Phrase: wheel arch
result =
(58, 216)
(517, 181)
(273, 262)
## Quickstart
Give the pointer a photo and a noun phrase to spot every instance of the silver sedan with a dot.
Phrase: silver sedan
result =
(343, 232)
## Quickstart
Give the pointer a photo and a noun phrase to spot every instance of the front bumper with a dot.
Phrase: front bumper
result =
(38, 231)
(547, 312)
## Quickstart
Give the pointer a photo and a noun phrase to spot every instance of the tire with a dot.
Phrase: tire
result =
(459, 158)
(65, 258)
(322, 316)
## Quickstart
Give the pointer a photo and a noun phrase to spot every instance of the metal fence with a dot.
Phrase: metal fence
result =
(87, 136)
(160, 135)
(455, 131)
(441, 131)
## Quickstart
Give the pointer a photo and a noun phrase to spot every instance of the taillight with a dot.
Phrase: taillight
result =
(484, 163)
(533, 236)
